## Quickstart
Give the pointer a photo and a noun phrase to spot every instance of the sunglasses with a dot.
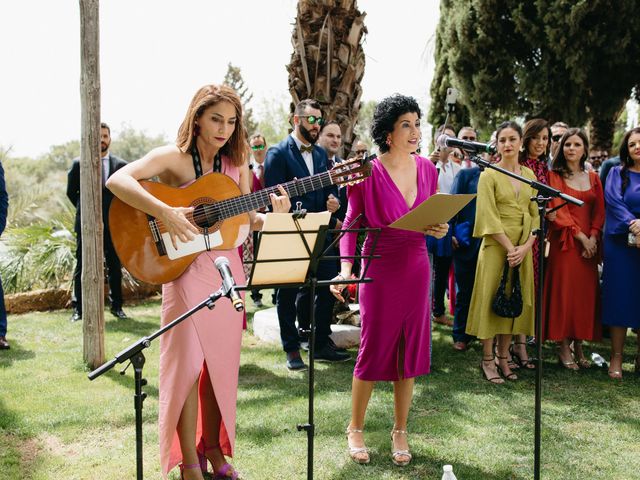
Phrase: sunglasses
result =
(361, 152)
(312, 119)
(469, 139)
(257, 147)
(556, 138)
(597, 157)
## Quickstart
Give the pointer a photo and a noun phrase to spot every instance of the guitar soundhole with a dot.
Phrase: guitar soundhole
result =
(204, 216)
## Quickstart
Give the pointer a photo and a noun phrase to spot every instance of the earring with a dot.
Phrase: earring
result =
(196, 130)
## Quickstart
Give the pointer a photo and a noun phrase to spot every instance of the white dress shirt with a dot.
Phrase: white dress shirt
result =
(447, 172)
(306, 156)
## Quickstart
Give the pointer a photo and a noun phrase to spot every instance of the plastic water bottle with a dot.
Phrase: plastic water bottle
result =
(448, 473)
(598, 360)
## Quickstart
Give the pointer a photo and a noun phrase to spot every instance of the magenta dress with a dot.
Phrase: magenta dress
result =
(211, 336)
(394, 308)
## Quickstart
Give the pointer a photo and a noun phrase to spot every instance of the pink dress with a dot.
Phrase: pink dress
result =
(211, 336)
(395, 306)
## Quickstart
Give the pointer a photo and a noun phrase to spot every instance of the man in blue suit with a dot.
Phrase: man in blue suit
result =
(465, 254)
(4, 208)
(297, 156)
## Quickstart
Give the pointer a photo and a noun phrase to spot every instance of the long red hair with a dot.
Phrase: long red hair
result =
(236, 147)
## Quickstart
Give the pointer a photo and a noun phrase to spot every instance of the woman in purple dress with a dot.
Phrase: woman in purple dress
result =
(621, 250)
(396, 331)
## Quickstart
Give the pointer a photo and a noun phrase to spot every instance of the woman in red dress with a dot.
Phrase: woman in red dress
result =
(571, 288)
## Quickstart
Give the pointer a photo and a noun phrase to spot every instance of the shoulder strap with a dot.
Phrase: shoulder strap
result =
(197, 164)
(195, 156)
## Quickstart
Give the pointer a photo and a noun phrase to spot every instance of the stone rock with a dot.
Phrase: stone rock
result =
(267, 329)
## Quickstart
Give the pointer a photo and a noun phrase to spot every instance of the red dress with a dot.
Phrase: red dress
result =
(541, 171)
(571, 305)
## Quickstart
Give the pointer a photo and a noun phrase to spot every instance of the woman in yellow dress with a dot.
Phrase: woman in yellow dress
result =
(505, 220)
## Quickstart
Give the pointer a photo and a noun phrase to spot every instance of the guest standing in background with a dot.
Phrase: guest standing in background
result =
(622, 250)
(571, 284)
(505, 220)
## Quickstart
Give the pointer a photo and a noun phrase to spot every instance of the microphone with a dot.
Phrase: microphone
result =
(444, 141)
(228, 283)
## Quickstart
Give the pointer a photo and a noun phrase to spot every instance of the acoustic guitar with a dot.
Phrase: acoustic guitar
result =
(220, 213)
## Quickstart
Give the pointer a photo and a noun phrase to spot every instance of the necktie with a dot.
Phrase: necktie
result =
(261, 174)
(307, 149)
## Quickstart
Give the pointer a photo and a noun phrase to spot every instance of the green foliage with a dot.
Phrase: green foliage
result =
(556, 59)
(132, 144)
(59, 157)
(39, 255)
(362, 129)
(233, 78)
(273, 123)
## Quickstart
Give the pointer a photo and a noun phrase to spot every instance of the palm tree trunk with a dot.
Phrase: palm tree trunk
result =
(328, 61)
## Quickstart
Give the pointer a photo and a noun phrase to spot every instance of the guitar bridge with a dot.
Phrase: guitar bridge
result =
(157, 238)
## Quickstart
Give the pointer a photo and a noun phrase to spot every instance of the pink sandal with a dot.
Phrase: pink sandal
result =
(222, 472)
(189, 466)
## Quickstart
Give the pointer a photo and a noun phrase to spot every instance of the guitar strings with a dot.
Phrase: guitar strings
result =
(234, 206)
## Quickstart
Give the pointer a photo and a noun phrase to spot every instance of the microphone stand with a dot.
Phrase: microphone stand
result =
(134, 354)
(544, 196)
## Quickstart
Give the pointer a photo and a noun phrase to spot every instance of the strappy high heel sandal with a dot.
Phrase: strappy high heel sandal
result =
(395, 454)
(512, 376)
(527, 364)
(189, 466)
(359, 455)
(223, 472)
(615, 374)
(568, 364)
(488, 360)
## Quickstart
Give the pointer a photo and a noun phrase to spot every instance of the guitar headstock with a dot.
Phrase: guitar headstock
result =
(351, 171)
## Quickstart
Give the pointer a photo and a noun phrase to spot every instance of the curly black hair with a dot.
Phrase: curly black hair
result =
(386, 114)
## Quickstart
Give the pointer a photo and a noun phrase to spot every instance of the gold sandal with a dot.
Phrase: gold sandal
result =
(615, 374)
(399, 453)
(355, 452)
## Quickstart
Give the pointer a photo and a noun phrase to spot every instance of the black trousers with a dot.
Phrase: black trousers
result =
(294, 303)
(465, 269)
(114, 274)
(441, 267)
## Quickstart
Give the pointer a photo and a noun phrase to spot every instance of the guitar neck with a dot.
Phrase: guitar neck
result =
(261, 198)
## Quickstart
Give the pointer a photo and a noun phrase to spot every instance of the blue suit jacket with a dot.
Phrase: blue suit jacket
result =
(4, 201)
(284, 162)
(466, 181)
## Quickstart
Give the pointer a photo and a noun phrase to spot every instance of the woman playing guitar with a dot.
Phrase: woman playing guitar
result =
(199, 359)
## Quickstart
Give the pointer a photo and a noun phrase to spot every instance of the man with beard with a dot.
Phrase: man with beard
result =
(297, 156)
(110, 163)
(330, 139)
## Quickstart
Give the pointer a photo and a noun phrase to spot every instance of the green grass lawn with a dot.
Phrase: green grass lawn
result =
(56, 424)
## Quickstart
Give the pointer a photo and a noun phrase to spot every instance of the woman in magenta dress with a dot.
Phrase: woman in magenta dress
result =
(199, 358)
(572, 266)
(396, 331)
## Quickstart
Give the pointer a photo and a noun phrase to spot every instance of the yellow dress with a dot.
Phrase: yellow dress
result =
(499, 210)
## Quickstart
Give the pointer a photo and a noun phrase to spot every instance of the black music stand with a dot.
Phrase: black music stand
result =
(544, 196)
(314, 254)
(135, 356)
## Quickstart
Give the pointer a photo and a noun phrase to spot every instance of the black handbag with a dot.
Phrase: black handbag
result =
(508, 306)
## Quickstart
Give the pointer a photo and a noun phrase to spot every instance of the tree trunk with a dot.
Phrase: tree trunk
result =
(328, 61)
(91, 186)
